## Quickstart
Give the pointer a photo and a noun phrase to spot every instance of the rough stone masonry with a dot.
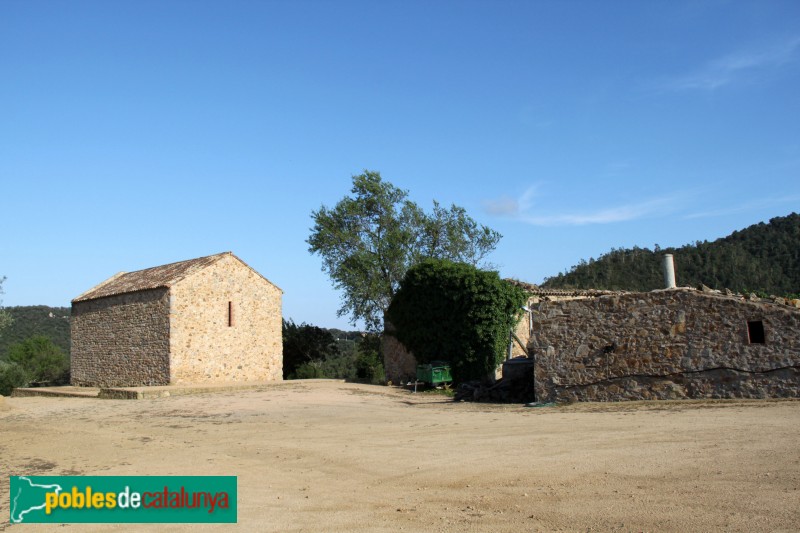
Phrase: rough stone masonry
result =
(211, 319)
(665, 344)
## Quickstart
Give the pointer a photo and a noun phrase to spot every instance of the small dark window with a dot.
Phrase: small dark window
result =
(755, 332)
(230, 314)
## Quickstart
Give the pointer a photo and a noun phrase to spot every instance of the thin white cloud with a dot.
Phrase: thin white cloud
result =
(504, 205)
(524, 210)
(512, 207)
(526, 200)
(621, 213)
(736, 67)
(550, 213)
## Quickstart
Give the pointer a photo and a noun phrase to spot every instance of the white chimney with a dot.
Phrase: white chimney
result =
(669, 271)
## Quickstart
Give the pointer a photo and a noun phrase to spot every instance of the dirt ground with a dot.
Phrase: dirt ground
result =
(325, 456)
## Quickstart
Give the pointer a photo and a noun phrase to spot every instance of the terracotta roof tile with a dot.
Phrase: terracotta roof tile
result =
(149, 278)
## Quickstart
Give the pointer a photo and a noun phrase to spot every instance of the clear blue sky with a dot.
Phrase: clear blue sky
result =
(138, 133)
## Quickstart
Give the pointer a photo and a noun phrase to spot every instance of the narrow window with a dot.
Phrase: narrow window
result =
(230, 314)
(755, 332)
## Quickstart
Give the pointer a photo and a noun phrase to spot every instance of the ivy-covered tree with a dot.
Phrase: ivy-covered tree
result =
(370, 239)
(457, 313)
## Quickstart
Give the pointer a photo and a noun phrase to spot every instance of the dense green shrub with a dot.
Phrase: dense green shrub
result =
(339, 366)
(12, 376)
(369, 366)
(41, 360)
(304, 344)
(310, 370)
(457, 313)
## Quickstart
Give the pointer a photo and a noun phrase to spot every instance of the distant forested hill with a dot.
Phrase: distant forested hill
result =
(30, 320)
(763, 258)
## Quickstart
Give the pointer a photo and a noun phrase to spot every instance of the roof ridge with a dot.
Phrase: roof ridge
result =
(195, 266)
(150, 278)
(176, 263)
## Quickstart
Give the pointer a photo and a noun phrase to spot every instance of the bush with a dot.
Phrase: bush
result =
(12, 376)
(369, 366)
(457, 313)
(340, 366)
(305, 344)
(308, 371)
(41, 360)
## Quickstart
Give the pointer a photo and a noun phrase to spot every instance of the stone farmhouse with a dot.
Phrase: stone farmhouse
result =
(211, 319)
(680, 342)
(672, 343)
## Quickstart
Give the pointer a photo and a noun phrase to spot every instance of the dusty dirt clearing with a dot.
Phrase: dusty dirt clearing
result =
(342, 457)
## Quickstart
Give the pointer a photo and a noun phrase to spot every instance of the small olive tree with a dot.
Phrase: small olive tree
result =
(457, 313)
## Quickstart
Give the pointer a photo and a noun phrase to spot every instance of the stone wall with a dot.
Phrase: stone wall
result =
(399, 364)
(121, 340)
(205, 346)
(665, 345)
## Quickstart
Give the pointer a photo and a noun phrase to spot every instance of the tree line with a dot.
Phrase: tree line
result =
(28, 320)
(313, 352)
(763, 258)
(34, 346)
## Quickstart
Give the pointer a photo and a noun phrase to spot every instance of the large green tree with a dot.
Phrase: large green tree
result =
(370, 239)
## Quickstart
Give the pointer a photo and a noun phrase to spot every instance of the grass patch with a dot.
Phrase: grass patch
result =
(440, 392)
